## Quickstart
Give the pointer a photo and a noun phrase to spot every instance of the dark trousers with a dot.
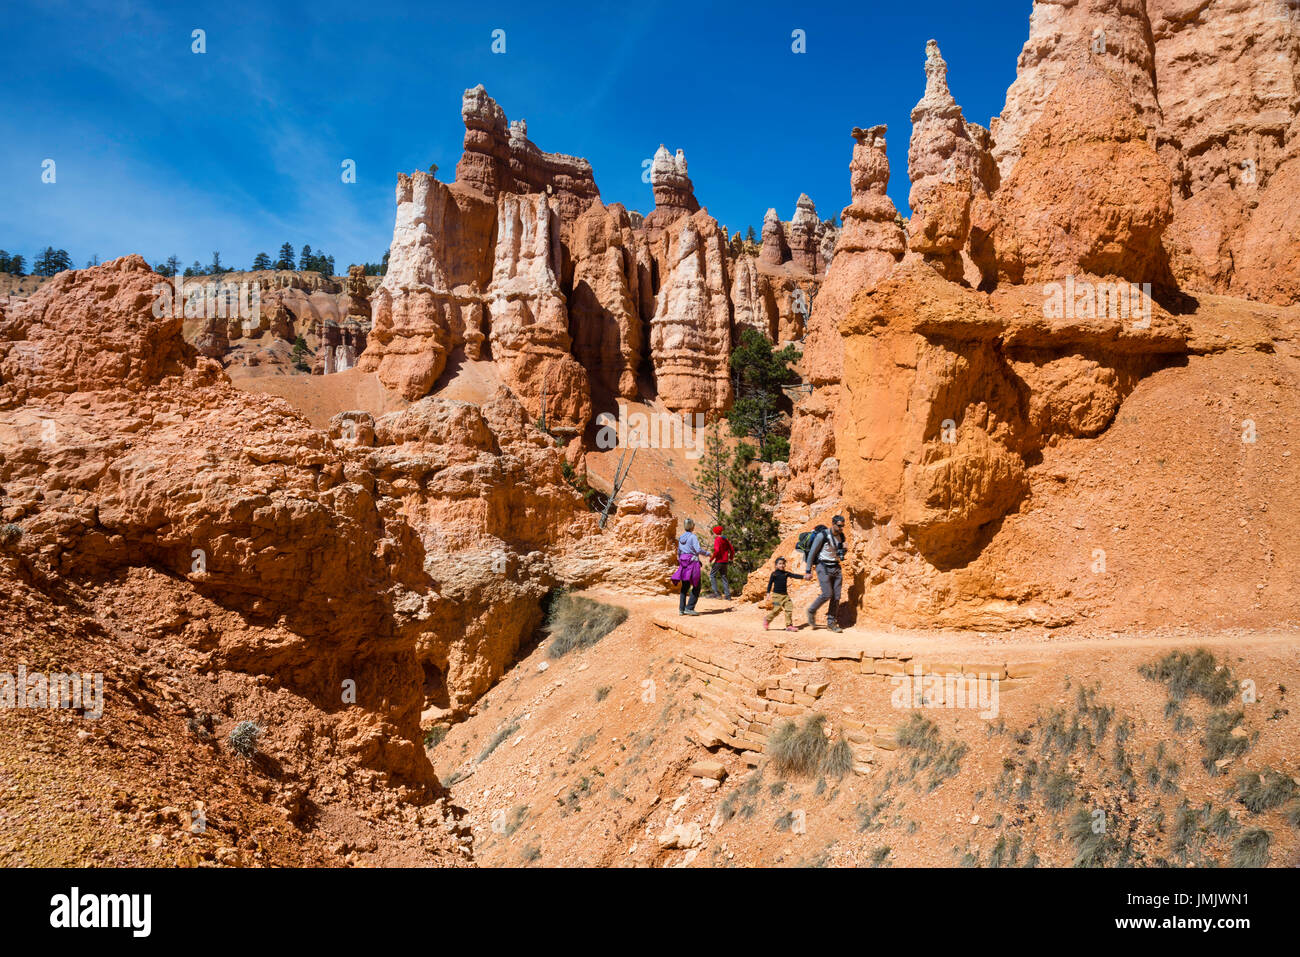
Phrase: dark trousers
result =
(830, 579)
(714, 570)
(694, 591)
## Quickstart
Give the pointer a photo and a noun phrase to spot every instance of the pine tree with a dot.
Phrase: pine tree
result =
(195, 270)
(750, 523)
(305, 259)
(286, 257)
(215, 268)
(51, 261)
(710, 485)
(261, 261)
(4, 260)
(17, 264)
(758, 374)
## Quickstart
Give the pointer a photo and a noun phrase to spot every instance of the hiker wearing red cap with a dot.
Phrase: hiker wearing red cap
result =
(723, 553)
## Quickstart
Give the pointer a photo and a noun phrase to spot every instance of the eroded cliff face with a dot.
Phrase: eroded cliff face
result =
(1088, 194)
(384, 573)
(431, 299)
(1216, 86)
(122, 449)
(1029, 299)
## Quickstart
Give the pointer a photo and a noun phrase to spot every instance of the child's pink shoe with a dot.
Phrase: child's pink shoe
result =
(766, 624)
(791, 628)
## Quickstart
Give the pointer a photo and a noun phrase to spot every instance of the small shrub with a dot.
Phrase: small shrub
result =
(1058, 788)
(798, 749)
(530, 854)
(576, 622)
(869, 814)
(919, 734)
(10, 534)
(1090, 846)
(838, 760)
(518, 814)
(243, 739)
(1251, 849)
(602, 693)
(435, 735)
(1005, 852)
(1263, 792)
(879, 854)
(1197, 673)
(1219, 823)
(1187, 831)
(1219, 741)
(586, 741)
(495, 741)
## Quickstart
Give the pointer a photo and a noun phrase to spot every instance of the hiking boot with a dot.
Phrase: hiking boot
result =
(833, 625)
(690, 611)
(812, 620)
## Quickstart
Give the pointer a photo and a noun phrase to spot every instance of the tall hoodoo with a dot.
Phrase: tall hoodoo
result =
(805, 235)
(1116, 31)
(690, 335)
(952, 172)
(673, 192)
(500, 158)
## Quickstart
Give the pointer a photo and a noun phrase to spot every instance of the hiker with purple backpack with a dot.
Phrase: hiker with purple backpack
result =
(688, 569)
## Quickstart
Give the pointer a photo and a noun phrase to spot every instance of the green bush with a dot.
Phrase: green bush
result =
(243, 739)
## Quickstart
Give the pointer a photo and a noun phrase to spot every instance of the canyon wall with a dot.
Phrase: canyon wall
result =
(969, 372)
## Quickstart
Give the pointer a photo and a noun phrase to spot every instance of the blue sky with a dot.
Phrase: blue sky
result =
(159, 150)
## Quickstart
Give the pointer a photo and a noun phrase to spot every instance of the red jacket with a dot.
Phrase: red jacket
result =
(722, 550)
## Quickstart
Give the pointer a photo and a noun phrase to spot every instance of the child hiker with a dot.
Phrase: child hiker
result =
(780, 598)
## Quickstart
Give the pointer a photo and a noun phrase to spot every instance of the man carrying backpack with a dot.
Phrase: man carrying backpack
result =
(722, 556)
(824, 553)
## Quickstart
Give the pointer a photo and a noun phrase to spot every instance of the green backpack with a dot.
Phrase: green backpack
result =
(805, 541)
